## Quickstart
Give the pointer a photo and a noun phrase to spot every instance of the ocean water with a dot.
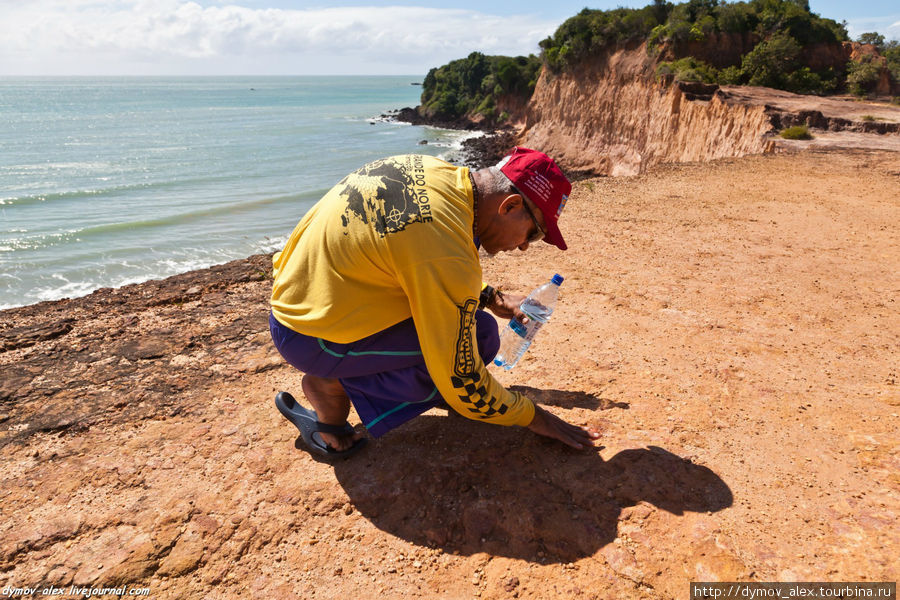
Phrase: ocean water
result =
(110, 181)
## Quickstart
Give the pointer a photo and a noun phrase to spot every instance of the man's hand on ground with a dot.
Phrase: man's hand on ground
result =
(549, 425)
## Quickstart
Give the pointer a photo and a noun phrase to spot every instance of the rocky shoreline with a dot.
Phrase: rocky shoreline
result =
(477, 152)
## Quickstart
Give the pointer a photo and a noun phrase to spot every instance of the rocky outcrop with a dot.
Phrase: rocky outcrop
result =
(834, 114)
(486, 150)
(509, 112)
(613, 116)
(99, 359)
(414, 116)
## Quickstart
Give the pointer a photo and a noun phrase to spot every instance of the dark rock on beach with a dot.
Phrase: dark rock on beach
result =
(414, 117)
(477, 152)
(487, 150)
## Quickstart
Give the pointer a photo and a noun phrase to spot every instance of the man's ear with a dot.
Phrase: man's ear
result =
(510, 203)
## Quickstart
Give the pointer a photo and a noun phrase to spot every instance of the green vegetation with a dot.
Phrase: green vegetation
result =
(781, 30)
(892, 54)
(592, 30)
(873, 37)
(691, 21)
(862, 76)
(688, 69)
(889, 50)
(798, 132)
(775, 62)
(473, 85)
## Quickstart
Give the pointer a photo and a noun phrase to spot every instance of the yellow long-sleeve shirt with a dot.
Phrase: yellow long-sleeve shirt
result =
(392, 241)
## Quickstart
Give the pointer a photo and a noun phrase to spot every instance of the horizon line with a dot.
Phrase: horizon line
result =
(3, 75)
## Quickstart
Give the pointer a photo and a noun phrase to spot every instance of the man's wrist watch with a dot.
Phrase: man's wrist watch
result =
(487, 296)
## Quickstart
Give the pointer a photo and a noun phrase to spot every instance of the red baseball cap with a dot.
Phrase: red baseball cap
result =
(541, 180)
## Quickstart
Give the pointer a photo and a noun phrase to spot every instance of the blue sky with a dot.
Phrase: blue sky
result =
(297, 37)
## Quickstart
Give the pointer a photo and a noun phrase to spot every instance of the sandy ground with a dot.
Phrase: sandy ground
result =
(732, 328)
(846, 107)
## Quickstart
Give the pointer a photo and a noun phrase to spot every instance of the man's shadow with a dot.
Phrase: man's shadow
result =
(568, 398)
(470, 487)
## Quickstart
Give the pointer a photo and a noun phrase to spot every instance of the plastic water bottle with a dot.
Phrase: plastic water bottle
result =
(517, 337)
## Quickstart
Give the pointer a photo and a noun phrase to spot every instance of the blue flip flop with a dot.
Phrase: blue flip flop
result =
(309, 425)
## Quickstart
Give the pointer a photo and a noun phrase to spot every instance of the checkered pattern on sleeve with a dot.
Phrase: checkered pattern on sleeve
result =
(473, 393)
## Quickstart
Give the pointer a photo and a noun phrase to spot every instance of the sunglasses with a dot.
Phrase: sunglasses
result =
(539, 232)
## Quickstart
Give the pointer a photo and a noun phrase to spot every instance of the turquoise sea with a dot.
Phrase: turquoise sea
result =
(110, 181)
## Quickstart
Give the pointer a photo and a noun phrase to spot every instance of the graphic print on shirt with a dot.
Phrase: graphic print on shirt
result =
(387, 194)
(466, 378)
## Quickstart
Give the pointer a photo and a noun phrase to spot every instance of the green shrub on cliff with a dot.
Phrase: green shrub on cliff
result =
(872, 37)
(862, 75)
(691, 21)
(806, 81)
(781, 29)
(774, 62)
(592, 30)
(770, 62)
(738, 17)
(794, 18)
(862, 78)
(891, 52)
(473, 85)
(688, 69)
(731, 76)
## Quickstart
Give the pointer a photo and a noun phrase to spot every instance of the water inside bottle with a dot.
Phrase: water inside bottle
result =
(536, 311)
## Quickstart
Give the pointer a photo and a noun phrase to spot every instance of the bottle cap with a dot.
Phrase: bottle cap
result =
(557, 279)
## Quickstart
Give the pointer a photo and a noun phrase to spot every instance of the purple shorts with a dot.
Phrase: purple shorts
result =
(384, 374)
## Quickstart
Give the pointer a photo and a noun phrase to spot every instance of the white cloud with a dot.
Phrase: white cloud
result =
(888, 26)
(159, 36)
(893, 30)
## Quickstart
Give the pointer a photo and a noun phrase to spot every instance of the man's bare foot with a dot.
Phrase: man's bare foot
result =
(332, 406)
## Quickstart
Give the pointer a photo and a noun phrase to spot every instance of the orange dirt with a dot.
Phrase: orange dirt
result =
(731, 327)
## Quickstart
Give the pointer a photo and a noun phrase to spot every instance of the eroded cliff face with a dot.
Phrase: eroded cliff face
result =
(612, 117)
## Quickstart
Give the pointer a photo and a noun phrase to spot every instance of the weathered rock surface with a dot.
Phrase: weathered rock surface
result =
(74, 363)
(731, 327)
